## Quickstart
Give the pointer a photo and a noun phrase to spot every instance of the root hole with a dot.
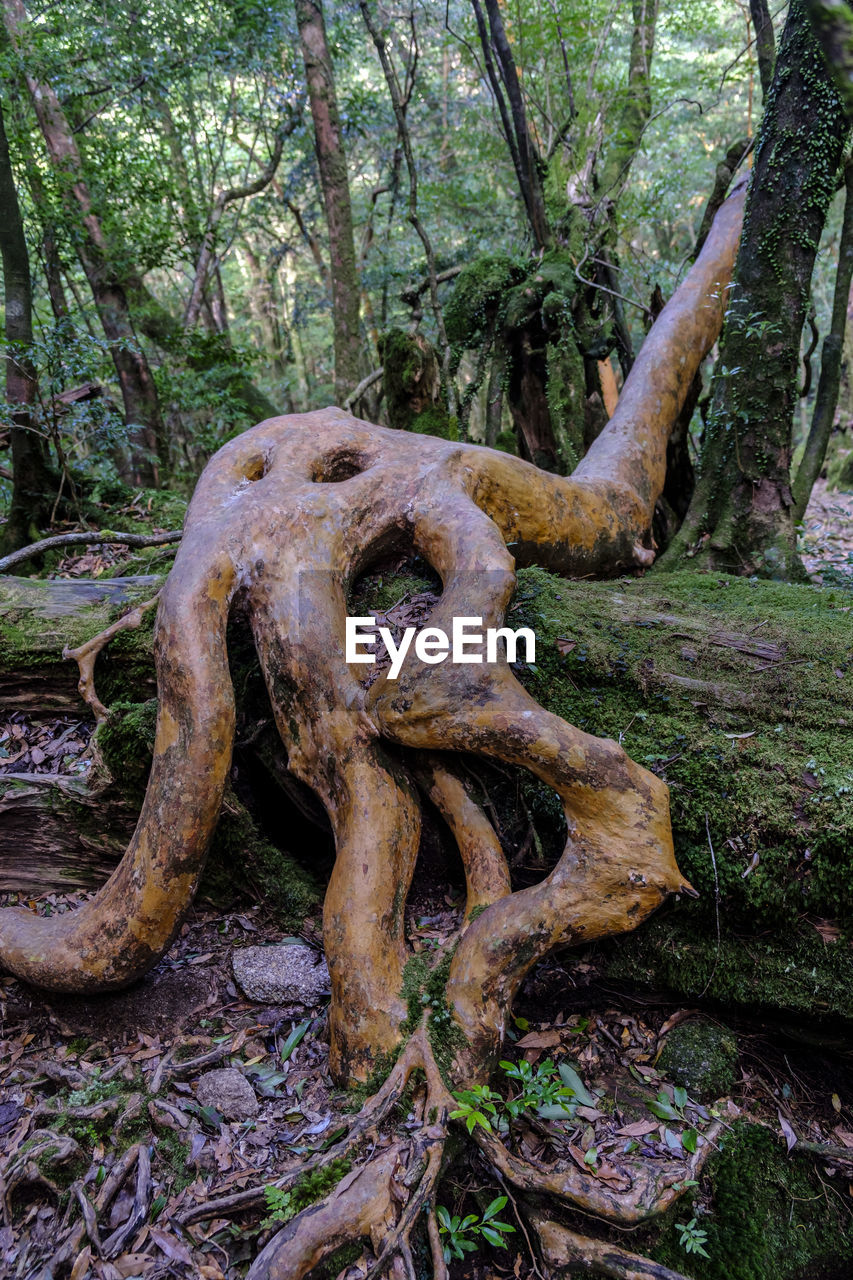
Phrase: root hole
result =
(342, 464)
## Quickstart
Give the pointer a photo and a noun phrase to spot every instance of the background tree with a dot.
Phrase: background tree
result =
(742, 513)
(34, 486)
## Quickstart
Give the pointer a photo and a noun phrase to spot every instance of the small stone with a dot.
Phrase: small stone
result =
(289, 974)
(229, 1092)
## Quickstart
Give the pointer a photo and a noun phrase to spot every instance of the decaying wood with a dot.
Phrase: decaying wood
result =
(283, 519)
(59, 832)
(38, 619)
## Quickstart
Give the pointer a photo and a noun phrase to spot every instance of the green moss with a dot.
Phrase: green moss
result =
(126, 743)
(566, 393)
(424, 990)
(242, 859)
(701, 1057)
(478, 298)
(412, 382)
(755, 748)
(770, 1215)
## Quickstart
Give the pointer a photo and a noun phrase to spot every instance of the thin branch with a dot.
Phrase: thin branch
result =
(86, 539)
(365, 384)
(206, 254)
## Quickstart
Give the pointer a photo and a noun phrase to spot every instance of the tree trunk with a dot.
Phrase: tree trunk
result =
(741, 518)
(146, 433)
(829, 384)
(331, 159)
(33, 487)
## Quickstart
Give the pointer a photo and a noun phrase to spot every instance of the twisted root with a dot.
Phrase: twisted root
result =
(284, 518)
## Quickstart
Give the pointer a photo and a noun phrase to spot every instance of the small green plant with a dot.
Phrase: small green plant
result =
(692, 1238)
(462, 1235)
(666, 1109)
(541, 1090)
(477, 1106)
(280, 1206)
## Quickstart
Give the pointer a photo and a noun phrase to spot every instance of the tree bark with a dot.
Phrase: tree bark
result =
(741, 518)
(765, 43)
(832, 23)
(33, 487)
(331, 159)
(826, 399)
(611, 177)
(146, 432)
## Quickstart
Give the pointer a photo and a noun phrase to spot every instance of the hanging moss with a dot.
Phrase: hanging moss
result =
(566, 397)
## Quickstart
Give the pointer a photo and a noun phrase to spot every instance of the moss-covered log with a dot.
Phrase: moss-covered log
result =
(38, 619)
(740, 695)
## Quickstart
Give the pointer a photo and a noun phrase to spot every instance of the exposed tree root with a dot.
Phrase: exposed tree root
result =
(565, 1250)
(284, 518)
(646, 1188)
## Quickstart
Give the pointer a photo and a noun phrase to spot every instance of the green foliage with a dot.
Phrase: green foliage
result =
(552, 1092)
(462, 1235)
(692, 1238)
(311, 1187)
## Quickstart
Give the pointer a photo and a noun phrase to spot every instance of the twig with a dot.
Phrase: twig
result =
(716, 907)
(87, 539)
(521, 1223)
(354, 396)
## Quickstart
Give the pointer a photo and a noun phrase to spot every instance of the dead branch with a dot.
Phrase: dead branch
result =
(86, 654)
(98, 539)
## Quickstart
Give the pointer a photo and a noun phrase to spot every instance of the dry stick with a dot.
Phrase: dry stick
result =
(112, 1183)
(87, 539)
(716, 907)
(139, 1212)
(414, 218)
(86, 654)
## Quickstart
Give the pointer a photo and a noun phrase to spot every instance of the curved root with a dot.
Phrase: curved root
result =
(564, 1250)
(647, 1189)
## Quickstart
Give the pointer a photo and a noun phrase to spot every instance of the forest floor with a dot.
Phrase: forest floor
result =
(114, 1167)
(91, 1086)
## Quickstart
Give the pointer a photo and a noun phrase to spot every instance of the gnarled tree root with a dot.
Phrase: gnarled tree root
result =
(383, 1200)
(284, 518)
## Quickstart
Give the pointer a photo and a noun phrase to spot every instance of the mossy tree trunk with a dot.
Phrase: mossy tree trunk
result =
(741, 518)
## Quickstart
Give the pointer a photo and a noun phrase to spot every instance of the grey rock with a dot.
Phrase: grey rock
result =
(228, 1090)
(281, 975)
